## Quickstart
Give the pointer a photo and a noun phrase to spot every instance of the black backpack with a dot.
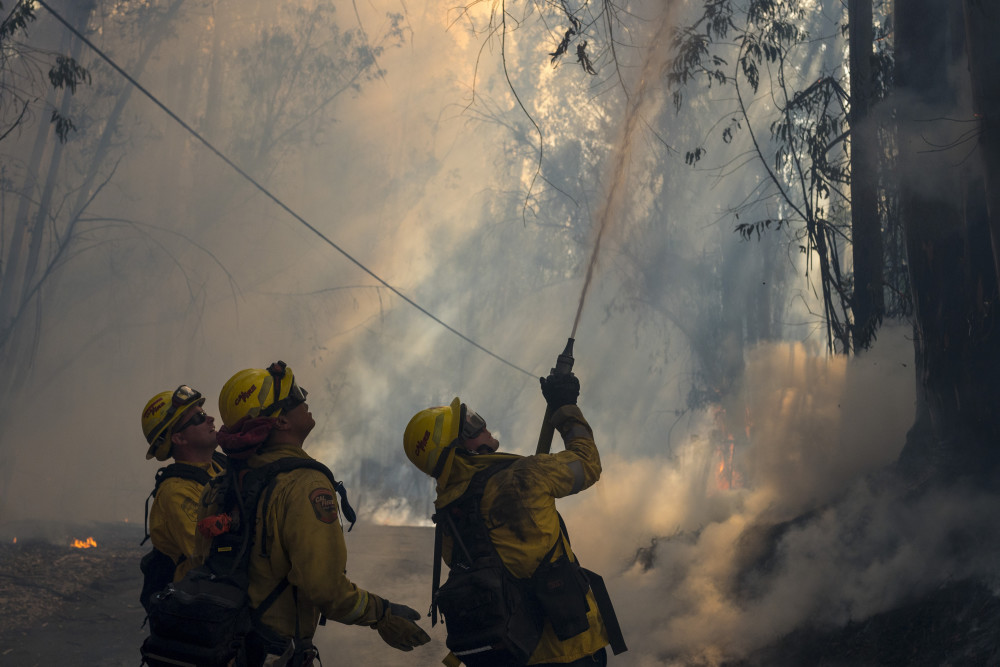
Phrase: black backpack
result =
(205, 619)
(157, 567)
(492, 617)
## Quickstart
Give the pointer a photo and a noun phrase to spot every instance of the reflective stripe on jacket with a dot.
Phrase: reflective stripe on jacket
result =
(519, 506)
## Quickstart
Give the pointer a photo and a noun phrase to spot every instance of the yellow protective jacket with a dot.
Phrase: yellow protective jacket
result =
(524, 496)
(174, 516)
(305, 543)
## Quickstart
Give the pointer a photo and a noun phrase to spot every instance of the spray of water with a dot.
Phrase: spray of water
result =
(635, 110)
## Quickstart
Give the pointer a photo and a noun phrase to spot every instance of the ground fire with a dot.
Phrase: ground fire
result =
(84, 544)
(727, 476)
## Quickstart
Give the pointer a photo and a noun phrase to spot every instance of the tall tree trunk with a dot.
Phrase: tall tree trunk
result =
(957, 347)
(982, 25)
(866, 231)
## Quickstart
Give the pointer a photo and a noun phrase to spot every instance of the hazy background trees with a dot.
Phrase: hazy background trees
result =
(465, 160)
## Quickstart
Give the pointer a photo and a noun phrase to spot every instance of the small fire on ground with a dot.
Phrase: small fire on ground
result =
(84, 544)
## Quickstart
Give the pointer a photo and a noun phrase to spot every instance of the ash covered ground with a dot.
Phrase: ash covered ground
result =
(61, 605)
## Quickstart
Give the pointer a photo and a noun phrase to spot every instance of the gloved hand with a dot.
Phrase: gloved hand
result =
(560, 389)
(396, 626)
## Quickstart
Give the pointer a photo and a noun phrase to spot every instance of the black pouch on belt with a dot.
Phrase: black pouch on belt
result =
(561, 588)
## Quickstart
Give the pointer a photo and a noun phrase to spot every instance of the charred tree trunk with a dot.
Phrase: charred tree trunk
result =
(982, 23)
(866, 230)
(955, 339)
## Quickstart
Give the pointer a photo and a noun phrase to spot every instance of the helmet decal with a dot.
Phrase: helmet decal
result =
(422, 444)
(155, 405)
(245, 395)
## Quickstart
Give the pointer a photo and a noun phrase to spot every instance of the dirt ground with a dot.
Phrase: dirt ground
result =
(61, 605)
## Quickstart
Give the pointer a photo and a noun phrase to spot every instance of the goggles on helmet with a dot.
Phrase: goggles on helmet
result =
(196, 419)
(182, 398)
(296, 395)
(472, 426)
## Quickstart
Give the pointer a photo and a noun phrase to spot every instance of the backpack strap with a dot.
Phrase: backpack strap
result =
(436, 578)
(248, 488)
(220, 459)
(477, 485)
(182, 470)
(615, 637)
(294, 463)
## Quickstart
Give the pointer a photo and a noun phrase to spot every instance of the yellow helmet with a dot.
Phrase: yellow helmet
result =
(259, 392)
(430, 437)
(161, 414)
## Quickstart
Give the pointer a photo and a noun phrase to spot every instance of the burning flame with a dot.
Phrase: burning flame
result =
(727, 476)
(15, 540)
(81, 544)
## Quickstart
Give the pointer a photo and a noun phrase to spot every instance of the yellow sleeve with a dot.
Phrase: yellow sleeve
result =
(579, 466)
(313, 538)
(173, 517)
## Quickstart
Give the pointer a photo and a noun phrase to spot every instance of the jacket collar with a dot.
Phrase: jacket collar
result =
(462, 470)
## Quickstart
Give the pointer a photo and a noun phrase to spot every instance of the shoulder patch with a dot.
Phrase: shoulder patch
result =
(190, 509)
(323, 504)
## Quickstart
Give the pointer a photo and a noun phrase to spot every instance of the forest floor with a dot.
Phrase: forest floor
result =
(61, 605)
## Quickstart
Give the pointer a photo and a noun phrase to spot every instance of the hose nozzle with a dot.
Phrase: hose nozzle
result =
(564, 366)
(564, 362)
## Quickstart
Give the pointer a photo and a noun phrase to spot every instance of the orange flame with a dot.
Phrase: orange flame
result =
(81, 544)
(727, 476)
(15, 540)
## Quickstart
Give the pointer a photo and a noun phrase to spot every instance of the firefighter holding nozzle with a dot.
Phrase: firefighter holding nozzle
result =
(516, 593)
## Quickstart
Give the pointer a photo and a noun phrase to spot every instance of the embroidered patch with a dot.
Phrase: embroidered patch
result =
(190, 509)
(324, 505)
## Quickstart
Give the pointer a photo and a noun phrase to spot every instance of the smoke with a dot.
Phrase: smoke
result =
(819, 534)
(814, 536)
(420, 172)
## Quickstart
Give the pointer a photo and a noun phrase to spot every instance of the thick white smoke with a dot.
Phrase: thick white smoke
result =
(425, 183)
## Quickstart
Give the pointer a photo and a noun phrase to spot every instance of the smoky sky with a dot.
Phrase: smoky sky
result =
(424, 169)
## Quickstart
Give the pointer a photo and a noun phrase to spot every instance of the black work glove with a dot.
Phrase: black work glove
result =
(560, 389)
(396, 626)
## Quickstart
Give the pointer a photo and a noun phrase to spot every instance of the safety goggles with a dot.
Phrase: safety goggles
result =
(196, 419)
(473, 425)
(183, 397)
(296, 395)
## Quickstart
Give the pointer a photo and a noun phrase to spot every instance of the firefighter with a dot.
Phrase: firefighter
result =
(299, 536)
(452, 443)
(176, 426)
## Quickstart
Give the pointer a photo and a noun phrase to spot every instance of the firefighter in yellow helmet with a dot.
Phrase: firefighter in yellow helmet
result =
(452, 443)
(176, 426)
(298, 537)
